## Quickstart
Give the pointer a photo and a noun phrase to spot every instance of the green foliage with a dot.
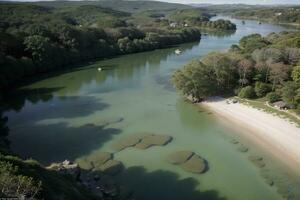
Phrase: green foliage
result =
(273, 97)
(247, 92)
(14, 185)
(290, 92)
(296, 74)
(252, 42)
(274, 14)
(219, 24)
(224, 69)
(259, 64)
(35, 181)
(261, 89)
(196, 79)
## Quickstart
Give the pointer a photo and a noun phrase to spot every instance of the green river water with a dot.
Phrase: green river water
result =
(82, 112)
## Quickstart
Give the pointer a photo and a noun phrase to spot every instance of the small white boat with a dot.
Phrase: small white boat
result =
(177, 51)
(99, 69)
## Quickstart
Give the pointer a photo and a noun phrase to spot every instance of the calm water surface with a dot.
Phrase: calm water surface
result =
(81, 113)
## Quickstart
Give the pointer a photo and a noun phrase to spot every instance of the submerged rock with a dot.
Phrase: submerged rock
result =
(100, 159)
(111, 167)
(257, 161)
(242, 148)
(234, 141)
(142, 145)
(142, 141)
(94, 160)
(268, 178)
(127, 142)
(195, 164)
(154, 140)
(285, 192)
(179, 157)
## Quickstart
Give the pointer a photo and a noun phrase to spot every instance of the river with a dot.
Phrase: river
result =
(82, 112)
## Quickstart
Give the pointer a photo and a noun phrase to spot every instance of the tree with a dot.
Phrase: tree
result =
(251, 42)
(224, 66)
(279, 73)
(38, 46)
(296, 74)
(292, 55)
(247, 92)
(126, 45)
(289, 93)
(13, 185)
(273, 97)
(262, 72)
(261, 89)
(196, 79)
(245, 66)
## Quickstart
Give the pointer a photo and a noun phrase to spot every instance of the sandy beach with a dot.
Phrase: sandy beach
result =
(275, 134)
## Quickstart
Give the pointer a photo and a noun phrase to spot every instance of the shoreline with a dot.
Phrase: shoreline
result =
(271, 133)
(295, 25)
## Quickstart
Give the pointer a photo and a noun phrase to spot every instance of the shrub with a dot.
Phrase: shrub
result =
(13, 185)
(273, 97)
(247, 92)
(261, 89)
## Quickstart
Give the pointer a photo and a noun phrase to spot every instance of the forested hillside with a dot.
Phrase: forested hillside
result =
(37, 39)
(258, 67)
(276, 14)
(46, 36)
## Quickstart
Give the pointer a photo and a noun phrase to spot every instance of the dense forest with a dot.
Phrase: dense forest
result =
(258, 67)
(275, 14)
(78, 33)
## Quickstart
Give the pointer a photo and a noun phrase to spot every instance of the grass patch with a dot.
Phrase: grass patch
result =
(260, 104)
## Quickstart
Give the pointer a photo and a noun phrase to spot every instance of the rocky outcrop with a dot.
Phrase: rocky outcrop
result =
(156, 140)
(97, 181)
(66, 167)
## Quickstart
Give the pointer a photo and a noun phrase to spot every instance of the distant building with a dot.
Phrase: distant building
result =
(278, 14)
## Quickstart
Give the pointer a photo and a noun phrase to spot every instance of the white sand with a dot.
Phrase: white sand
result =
(275, 134)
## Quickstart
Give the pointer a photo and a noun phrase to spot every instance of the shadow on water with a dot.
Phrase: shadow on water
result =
(57, 142)
(15, 100)
(48, 106)
(164, 185)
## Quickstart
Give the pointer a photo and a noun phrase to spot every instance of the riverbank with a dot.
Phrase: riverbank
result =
(295, 25)
(274, 134)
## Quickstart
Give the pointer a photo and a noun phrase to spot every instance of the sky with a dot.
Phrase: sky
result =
(236, 1)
